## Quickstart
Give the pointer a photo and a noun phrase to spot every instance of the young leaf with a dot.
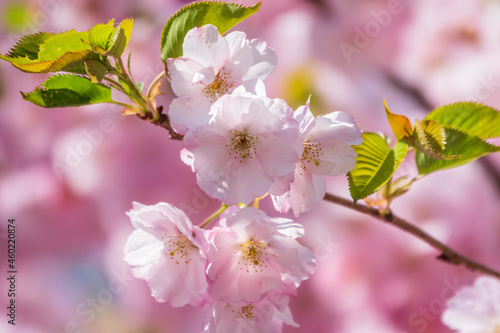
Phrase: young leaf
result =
(95, 69)
(401, 126)
(68, 90)
(223, 15)
(375, 165)
(471, 118)
(429, 137)
(463, 146)
(107, 40)
(99, 36)
(61, 52)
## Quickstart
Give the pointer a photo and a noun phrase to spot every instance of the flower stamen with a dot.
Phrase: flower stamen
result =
(219, 86)
(242, 144)
(253, 254)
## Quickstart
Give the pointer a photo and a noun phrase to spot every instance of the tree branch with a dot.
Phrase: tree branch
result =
(447, 254)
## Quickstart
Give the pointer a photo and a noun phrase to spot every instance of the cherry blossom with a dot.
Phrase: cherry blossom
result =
(168, 252)
(264, 316)
(211, 66)
(250, 142)
(475, 309)
(327, 150)
(252, 254)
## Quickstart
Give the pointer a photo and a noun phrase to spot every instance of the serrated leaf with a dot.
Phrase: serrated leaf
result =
(401, 126)
(375, 165)
(472, 118)
(57, 52)
(466, 147)
(222, 15)
(28, 46)
(95, 69)
(68, 90)
(429, 137)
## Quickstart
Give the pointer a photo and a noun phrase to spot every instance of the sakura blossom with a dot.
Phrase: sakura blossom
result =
(267, 316)
(476, 308)
(327, 150)
(252, 255)
(250, 143)
(168, 252)
(213, 65)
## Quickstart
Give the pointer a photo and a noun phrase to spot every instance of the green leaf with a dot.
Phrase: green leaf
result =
(68, 90)
(375, 165)
(222, 15)
(44, 53)
(466, 146)
(471, 118)
(28, 46)
(107, 40)
(401, 126)
(99, 36)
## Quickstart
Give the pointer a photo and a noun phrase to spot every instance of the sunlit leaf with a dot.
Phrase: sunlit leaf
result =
(375, 165)
(43, 52)
(471, 118)
(401, 126)
(68, 90)
(222, 15)
(107, 40)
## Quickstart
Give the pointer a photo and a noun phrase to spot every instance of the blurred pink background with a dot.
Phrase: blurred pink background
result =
(350, 55)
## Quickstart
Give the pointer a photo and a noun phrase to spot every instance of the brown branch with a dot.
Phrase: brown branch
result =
(447, 254)
(164, 122)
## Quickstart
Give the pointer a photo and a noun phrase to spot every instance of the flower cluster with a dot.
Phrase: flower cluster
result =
(246, 267)
(242, 145)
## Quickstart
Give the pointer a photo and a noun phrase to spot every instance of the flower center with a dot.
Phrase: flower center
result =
(219, 86)
(242, 145)
(312, 154)
(253, 255)
(177, 247)
(246, 312)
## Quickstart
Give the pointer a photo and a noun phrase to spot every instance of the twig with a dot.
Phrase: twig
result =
(447, 254)
(164, 122)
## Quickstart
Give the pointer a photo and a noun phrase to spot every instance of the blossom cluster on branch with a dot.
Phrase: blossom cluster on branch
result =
(242, 145)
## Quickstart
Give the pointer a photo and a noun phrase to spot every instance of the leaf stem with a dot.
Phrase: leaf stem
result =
(121, 104)
(214, 216)
(447, 254)
(153, 84)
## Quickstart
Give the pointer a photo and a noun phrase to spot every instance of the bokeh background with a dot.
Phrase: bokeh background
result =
(69, 175)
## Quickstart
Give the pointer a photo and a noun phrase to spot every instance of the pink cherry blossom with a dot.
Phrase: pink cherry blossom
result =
(327, 150)
(264, 316)
(250, 142)
(167, 251)
(475, 309)
(252, 254)
(212, 66)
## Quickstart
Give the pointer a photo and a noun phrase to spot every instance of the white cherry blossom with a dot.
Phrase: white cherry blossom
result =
(327, 150)
(250, 142)
(168, 252)
(211, 66)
